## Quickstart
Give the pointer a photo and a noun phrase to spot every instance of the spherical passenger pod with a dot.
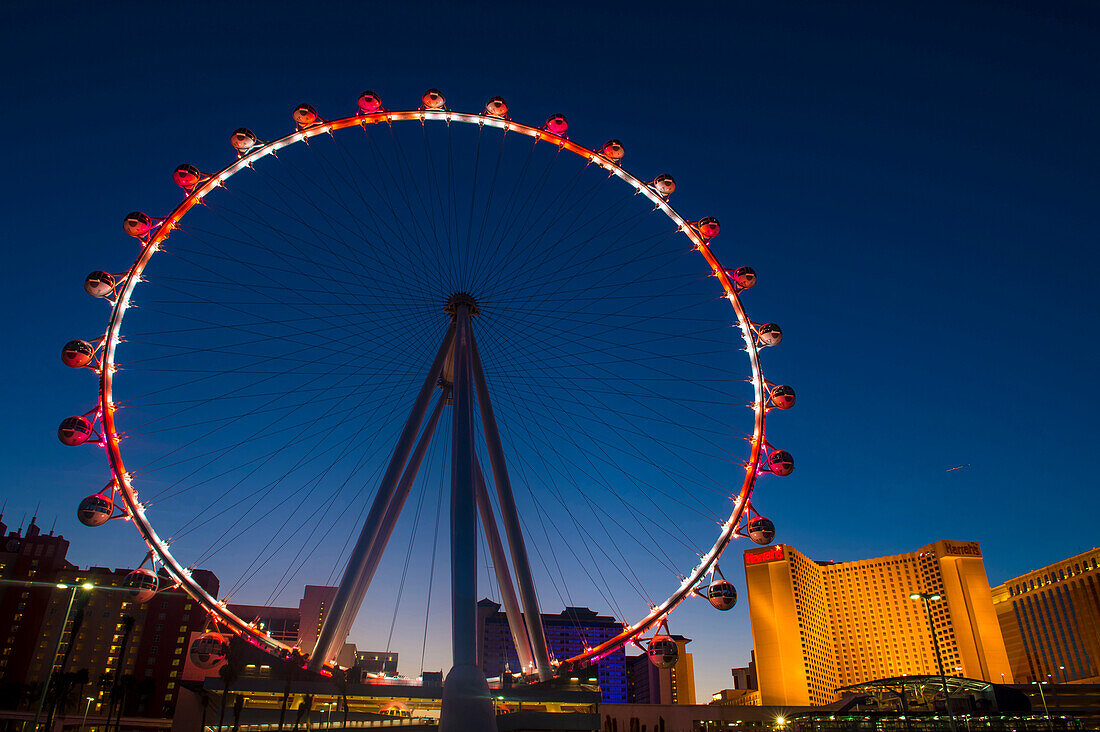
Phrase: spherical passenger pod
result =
(305, 116)
(142, 584)
(761, 530)
(743, 278)
(708, 227)
(557, 124)
(74, 431)
(664, 184)
(137, 224)
(722, 594)
(243, 140)
(186, 176)
(433, 99)
(208, 650)
(662, 651)
(77, 354)
(613, 150)
(99, 284)
(497, 107)
(781, 463)
(95, 510)
(783, 397)
(770, 334)
(369, 103)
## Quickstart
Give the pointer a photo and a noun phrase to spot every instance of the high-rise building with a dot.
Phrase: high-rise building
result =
(104, 633)
(647, 684)
(818, 626)
(312, 608)
(1050, 619)
(567, 634)
(26, 556)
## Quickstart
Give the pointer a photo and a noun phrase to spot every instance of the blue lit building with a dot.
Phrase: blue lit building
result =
(567, 634)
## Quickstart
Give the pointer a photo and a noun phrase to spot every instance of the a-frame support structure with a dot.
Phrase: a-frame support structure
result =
(458, 373)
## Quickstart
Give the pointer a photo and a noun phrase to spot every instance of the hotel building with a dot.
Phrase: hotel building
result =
(103, 632)
(1050, 619)
(818, 626)
(567, 634)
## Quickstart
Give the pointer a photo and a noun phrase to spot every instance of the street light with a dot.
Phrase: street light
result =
(57, 645)
(927, 599)
(1046, 709)
(86, 706)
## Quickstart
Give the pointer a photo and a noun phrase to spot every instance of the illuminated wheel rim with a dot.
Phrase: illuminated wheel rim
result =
(749, 334)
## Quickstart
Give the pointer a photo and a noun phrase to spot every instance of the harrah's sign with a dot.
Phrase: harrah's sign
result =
(771, 554)
(965, 549)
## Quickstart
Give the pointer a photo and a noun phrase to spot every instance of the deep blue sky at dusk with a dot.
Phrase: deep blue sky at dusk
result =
(915, 183)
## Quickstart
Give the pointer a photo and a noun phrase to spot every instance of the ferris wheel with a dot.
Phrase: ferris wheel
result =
(368, 318)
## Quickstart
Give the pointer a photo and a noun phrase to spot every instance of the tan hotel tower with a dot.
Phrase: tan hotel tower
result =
(820, 626)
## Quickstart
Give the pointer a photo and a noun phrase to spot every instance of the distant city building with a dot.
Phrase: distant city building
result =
(108, 635)
(315, 602)
(819, 626)
(376, 662)
(745, 676)
(647, 684)
(1050, 619)
(567, 635)
(736, 698)
(312, 608)
(281, 623)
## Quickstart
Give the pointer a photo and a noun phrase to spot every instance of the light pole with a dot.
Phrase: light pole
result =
(57, 646)
(928, 599)
(1046, 709)
(86, 706)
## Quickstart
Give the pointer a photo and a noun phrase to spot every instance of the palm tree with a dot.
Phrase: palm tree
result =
(119, 695)
(340, 676)
(230, 671)
(303, 709)
(293, 668)
(142, 691)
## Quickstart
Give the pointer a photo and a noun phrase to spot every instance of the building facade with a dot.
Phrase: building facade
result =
(1050, 619)
(26, 557)
(567, 634)
(818, 626)
(112, 642)
(647, 684)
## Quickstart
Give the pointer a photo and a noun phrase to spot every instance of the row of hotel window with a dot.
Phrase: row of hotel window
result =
(1049, 577)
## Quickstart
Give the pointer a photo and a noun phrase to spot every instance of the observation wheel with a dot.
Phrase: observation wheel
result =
(366, 319)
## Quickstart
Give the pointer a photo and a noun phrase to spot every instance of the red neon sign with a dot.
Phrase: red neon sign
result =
(771, 554)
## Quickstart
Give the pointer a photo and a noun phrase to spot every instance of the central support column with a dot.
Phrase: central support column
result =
(467, 706)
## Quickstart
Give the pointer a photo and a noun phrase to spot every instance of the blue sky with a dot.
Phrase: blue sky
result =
(915, 183)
